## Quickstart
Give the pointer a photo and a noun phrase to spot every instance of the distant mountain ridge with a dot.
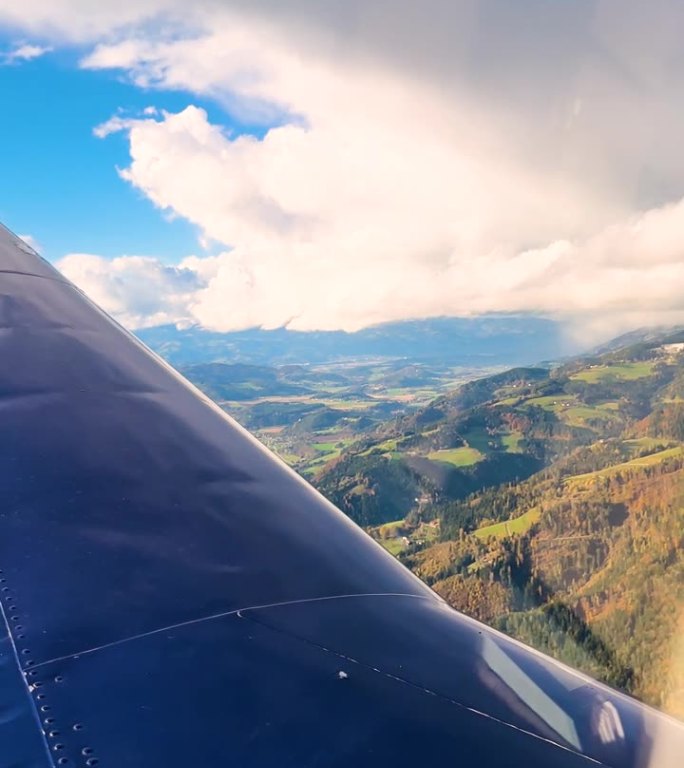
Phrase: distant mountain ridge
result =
(489, 339)
(669, 333)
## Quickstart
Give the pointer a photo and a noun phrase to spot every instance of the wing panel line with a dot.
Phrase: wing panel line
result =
(221, 615)
(429, 691)
(34, 708)
(55, 279)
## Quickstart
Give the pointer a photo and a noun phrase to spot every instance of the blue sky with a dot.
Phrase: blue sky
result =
(447, 157)
(60, 182)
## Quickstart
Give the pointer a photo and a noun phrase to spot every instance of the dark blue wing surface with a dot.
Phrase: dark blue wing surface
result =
(173, 595)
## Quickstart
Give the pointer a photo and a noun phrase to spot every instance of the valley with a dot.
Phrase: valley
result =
(546, 500)
(309, 415)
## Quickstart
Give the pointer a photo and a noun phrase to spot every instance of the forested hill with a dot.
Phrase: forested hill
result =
(549, 503)
(507, 427)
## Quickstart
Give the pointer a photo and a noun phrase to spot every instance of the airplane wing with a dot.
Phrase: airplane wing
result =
(173, 595)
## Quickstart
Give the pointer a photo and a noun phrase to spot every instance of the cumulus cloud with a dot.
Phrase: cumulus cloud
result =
(223, 292)
(416, 159)
(346, 222)
(83, 21)
(139, 291)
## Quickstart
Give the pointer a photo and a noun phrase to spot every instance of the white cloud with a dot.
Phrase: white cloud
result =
(422, 158)
(226, 291)
(24, 52)
(83, 20)
(139, 291)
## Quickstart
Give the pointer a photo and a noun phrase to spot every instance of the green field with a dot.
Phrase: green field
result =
(389, 536)
(552, 403)
(570, 411)
(459, 457)
(478, 439)
(389, 446)
(393, 546)
(509, 527)
(326, 447)
(396, 536)
(511, 442)
(644, 461)
(624, 372)
(579, 415)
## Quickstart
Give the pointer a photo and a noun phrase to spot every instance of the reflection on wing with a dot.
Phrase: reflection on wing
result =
(529, 692)
(173, 595)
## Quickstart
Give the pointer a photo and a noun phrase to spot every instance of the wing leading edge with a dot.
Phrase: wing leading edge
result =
(174, 595)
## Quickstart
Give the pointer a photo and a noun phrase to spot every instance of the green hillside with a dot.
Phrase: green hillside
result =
(549, 503)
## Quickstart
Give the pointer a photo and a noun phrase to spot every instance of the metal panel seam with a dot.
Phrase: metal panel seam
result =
(56, 279)
(214, 616)
(404, 681)
(34, 708)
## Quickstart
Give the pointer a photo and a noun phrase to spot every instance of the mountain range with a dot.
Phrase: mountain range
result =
(490, 339)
